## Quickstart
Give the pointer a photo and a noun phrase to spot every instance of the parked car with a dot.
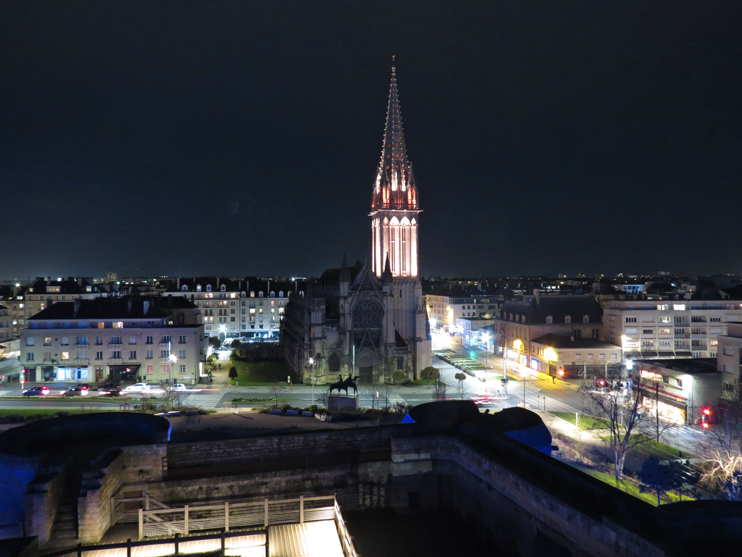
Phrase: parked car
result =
(37, 391)
(137, 388)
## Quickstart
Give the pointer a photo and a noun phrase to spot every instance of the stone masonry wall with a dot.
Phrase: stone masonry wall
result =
(301, 449)
(94, 509)
(144, 463)
(504, 502)
(42, 501)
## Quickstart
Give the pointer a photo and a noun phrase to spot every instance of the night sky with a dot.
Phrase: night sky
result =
(242, 138)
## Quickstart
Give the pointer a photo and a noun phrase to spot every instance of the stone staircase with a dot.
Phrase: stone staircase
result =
(65, 529)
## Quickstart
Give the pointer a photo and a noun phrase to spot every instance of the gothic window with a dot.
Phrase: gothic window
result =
(333, 363)
(367, 314)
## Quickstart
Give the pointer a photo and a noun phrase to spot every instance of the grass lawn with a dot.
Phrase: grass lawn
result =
(632, 488)
(25, 412)
(261, 373)
(586, 421)
(660, 451)
(420, 383)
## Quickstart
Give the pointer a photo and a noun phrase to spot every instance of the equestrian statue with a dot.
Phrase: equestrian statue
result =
(343, 384)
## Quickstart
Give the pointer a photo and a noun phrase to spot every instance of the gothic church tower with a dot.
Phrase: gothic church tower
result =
(394, 209)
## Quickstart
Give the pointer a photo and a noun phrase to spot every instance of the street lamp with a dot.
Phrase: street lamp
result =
(551, 356)
(311, 363)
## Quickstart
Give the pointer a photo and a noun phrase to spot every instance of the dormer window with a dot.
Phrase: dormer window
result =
(208, 288)
(586, 319)
(549, 320)
(280, 294)
(260, 294)
(568, 319)
(273, 294)
(184, 288)
(224, 287)
(252, 294)
(198, 288)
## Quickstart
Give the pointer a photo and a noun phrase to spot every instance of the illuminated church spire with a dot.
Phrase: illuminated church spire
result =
(394, 206)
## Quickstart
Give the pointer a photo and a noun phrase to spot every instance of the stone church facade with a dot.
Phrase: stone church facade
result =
(369, 320)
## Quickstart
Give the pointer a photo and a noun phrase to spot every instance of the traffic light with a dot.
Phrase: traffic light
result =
(705, 417)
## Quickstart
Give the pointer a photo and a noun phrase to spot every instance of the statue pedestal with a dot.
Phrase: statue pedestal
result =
(342, 404)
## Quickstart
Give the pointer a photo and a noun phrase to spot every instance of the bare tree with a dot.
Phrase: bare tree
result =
(460, 387)
(721, 451)
(276, 390)
(438, 392)
(628, 424)
(385, 395)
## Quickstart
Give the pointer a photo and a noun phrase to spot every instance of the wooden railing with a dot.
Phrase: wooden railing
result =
(228, 516)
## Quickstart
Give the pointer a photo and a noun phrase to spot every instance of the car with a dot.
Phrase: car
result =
(137, 388)
(109, 389)
(179, 387)
(37, 391)
(77, 390)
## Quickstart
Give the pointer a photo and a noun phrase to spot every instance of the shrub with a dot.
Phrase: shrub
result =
(429, 374)
(285, 407)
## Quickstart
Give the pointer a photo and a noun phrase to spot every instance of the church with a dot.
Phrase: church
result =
(368, 321)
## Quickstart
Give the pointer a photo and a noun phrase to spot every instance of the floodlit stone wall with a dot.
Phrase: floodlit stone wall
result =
(95, 508)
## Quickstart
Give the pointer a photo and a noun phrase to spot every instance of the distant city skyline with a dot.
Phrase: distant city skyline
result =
(242, 138)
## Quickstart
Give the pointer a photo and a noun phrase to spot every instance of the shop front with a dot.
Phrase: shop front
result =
(73, 374)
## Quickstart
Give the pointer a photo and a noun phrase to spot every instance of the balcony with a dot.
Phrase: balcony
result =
(81, 347)
(82, 362)
(115, 361)
(116, 346)
(165, 361)
(699, 335)
(164, 345)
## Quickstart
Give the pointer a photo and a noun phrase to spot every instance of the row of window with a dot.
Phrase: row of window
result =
(115, 354)
(223, 288)
(165, 339)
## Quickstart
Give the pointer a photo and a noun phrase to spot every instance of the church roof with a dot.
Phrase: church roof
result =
(395, 182)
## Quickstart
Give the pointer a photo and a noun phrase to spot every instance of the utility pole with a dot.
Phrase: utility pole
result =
(657, 407)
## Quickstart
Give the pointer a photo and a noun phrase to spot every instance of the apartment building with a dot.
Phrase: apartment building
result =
(519, 322)
(152, 339)
(24, 301)
(729, 360)
(6, 324)
(446, 306)
(657, 329)
(237, 308)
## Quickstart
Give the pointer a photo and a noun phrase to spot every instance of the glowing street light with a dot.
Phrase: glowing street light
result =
(311, 363)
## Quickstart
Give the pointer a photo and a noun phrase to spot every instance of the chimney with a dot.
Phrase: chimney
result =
(178, 284)
(129, 304)
(145, 307)
(77, 304)
(536, 293)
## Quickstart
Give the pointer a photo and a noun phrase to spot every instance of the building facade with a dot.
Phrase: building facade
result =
(446, 306)
(661, 329)
(678, 390)
(152, 339)
(569, 357)
(729, 360)
(519, 322)
(248, 308)
(369, 320)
